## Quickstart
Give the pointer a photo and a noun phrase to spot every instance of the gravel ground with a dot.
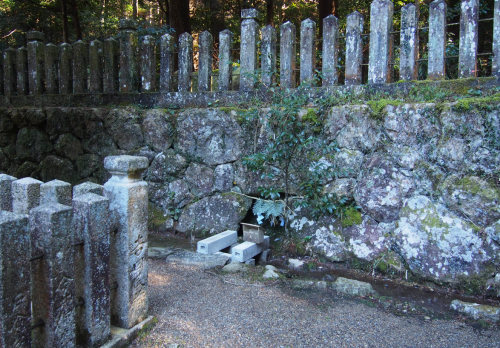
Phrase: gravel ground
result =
(198, 309)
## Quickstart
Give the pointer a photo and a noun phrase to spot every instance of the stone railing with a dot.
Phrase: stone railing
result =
(124, 65)
(73, 262)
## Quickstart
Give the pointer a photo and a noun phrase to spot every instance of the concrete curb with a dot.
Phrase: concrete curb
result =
(121, 338)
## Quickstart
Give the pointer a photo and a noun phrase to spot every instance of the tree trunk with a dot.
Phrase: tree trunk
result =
(326, 8)
(270, 12)
(134, 9)
(217, 23)
(76, 20)
(64, 11)
(179, 17)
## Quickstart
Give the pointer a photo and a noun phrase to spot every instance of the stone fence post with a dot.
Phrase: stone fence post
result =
(248, 51)
(268, 55)
(96, 52)
(25, 195)
(35, 61)
(51, 56)
(205, 65)
(307, 50)
(379, 69)
(354, 48)
(65, 69)
(111, 53)
(409, 43)
(80, 60)
(330, 50)
(128, 207)
(287, 55)
(22, 71)
(185, 62)
(437, 40)
(495, 70)
(166, 63)
(469, 17)
(6, 192)
(148, 64)
(128, 56)
(9, 78)
(225, 63)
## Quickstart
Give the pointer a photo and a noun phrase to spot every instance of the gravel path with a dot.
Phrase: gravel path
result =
(198, 309)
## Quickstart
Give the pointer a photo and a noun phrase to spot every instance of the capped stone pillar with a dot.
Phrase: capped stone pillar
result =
(148, 64)
(268, 55)
(307, 50)
(128, 56)
(51, 57)
(66, 69)
(166, 63)
(128, 197)
(35, 61)
(408, 51)
(287, 55)
(379, 70)
(15, 311)
(9, 77)
(96, 52)
(52, 275)
(469, 17)
(330, 50)
(496, 40)
(6, 191)
(248, 50)
(22, 71)
(205, 65)
(354, 48)
(111, 59)
(225, 63)
(25, 195)
(185, 62)
(55, 191)
(87, 187)
(437, 40)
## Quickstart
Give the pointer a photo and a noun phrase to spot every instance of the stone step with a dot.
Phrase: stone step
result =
(216, 243)
(247, 250)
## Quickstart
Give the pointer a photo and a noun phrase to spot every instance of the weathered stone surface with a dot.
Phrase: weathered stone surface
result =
(341, 188)
(88, 187)
(173, 195)
(437, 40)
(55, 191)
(476, 311)
(249, 54)
(86, 122)
(409, 43)
(354, 48)
(469, 29)
(438, 245)
(148, 64)
(158, 129)
(32, 144)
(129, 74)
(185, 62)
(205, 61)
(330, 50)
(299, 284)
(6, 191)
(381, 12)
(224, 177)
(188, 258)
(67, 145)
(26, 169)
(58, 120)
(307, 50)
(212, 136)
(214, 214)
(87, 164)
(25, 195)
(270, 272)
(268, 55)
(166, 62)
(353, 287)
(165, 165)
(348, 162)
(235, 267)
(381, 189)
(200, 179)
(249, 182)
(287, 55)
(100, 144)
(53, 167)
(367, 241)
(124, 128)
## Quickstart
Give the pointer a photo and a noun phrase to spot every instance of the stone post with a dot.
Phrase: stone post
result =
(128, 56)
(111, 54)
(468, 38)
(55, 191)
(185, 62)
(354, 48)
(379, 70)
(35, 61)
(52, 275)
(22, 71)
(25, 195)
(496, 40)
(9, 77)
(307, 50)
(166, 63)
(128, 197)
(92, 269)
(268, 56)
(408, 51)
(15, 311)
(80, 59)
(287, 55)
(51, 55)
(96, 53)
(330, 50)
(225, 63)
(65, 69)
(6, 191)
(2, 92)
(437, 40)
(87, 187)
(248, 50)
(148, 64)
(205, 65)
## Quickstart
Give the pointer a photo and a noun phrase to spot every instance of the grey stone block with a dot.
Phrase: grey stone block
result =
(381, 13)
(437, 40)
(354, 48)
(55, 191)
(88, 187)
(188, 258)
(468, 38)
(6, 191)
(353, 287)
(247, 250)
(25, 195)
(218, 242)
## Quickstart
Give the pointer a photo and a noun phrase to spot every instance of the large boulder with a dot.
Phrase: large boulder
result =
(53, 167)
(438, 245)
(123, 125)
(67, 145)
(200, 179)
(158, 129)
(348, 163)
(166, 165)
(174, 195)
(214, 214)
(32, 144)
(367, 240)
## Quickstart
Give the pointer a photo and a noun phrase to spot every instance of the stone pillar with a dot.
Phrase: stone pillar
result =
(15, 311)
(35, 61)
(128, 56)
(205, 62)
(307, 50)
(96, 53)
(25, 195)
(166, 63)
(287, 55)
(268, 56)
(22, 71)
(6, 191)
(55, 191)
(354, 48)
(88, 187)
(330, 50)
(66, 69)
(9, 77)
(468, 38)
(51, 57)
(52, 275)
(80, 59)
(148, 64)
(437, 40)
(1, 73)
(381, 12)
(111, 54)
(496, 40)
(248, 49)
(225, 62)
(408, 51)
(185, 62)
(92, 269)
(128, 197)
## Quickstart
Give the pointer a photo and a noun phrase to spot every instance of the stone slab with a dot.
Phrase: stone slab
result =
(121, 338)
(216, 243)
(353, 287)
(189, 258)
(476, 311)
(246, 250)
(88, 187)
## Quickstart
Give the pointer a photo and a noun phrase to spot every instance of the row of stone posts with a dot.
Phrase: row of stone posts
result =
(129, 66)
(73, 261)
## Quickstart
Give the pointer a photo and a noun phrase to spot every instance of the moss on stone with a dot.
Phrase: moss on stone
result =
(378, 107)
(156, 217)
(351, 217)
